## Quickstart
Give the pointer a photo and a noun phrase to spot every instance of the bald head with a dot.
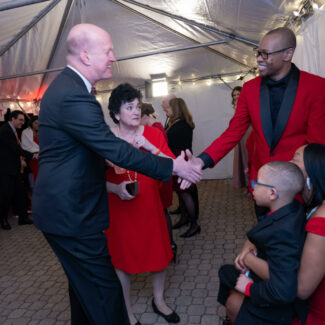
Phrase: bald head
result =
(288, 38)
(90, 51)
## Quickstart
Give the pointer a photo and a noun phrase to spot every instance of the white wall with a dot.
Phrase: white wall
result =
(309, 55)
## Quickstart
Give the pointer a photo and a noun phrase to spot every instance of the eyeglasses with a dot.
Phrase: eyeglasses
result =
(265, 55)
(254, 182)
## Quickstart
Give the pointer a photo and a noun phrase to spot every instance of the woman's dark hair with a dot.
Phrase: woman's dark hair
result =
(123, 93)
(32, 120)
(314, 161)
(147, 109)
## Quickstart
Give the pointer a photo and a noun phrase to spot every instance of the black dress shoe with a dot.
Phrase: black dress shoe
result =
(171, 318)
(5, 225)
(191, 232)
(181, 222)
(25, 221)
(137, 323)
(176, 211)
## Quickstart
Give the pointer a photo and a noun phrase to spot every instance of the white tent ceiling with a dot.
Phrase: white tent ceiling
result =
(33, 33)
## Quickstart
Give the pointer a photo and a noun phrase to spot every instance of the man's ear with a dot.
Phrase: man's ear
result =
(273, 194)
(84, 57)
(288, 54)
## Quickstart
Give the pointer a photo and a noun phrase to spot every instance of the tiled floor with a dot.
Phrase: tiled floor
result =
(33, 287)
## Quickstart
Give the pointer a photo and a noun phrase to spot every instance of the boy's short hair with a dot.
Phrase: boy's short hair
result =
(286, 177)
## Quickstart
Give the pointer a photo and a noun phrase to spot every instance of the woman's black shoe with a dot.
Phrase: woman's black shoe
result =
(191, 232)
(171, 318)
(174, 249)
(182, 222)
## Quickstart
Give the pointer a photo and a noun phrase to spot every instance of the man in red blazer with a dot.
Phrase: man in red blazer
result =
(285, 106)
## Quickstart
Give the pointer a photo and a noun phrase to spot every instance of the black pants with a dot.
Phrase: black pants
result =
(95, 291)
(12, 194)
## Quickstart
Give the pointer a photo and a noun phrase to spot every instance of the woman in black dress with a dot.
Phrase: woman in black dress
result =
(180, 136)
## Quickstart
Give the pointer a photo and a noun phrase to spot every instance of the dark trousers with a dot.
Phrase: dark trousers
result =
(95, 291)
(244, 317)
(228, 275)
(12, 194)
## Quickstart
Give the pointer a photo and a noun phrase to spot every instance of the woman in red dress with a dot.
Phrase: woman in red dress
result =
(311, 276)
(137, 238)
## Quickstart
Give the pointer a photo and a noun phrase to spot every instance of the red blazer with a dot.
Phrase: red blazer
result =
(301, 120)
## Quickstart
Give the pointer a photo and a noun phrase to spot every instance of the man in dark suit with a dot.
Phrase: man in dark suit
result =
(70, 200)
(11, 187)
(284, 105)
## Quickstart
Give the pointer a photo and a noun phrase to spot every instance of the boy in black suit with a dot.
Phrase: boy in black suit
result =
(266, 270)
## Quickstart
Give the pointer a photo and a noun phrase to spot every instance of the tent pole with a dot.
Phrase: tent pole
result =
(195, 46)
(136, 56)
(179, 34)
(18, 3)
(194, 23)
(55, 45)
(25, 30)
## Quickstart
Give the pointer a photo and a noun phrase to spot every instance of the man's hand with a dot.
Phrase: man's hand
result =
(242, 282)
(184, 184)
(35, 155)
(187, 169)
(239, 260)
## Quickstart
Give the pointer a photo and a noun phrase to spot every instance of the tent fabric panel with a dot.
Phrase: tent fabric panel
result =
(30, 53)
(14, 20)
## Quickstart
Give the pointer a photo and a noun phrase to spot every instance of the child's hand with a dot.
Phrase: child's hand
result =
(239, 261)
(242, 282)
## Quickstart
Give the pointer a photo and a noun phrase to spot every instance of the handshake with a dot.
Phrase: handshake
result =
(188, 171)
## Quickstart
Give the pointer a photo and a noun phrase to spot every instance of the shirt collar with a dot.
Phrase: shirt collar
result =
(87, 83)
(12, 127)
(282, 82)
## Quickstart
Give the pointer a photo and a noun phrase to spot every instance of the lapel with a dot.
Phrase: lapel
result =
(11, 134)
(270, 219)
(285, 109)
(286, 106)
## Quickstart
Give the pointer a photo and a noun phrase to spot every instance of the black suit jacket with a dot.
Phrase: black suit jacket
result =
(279, 239)
(10, 152)
(70, 196)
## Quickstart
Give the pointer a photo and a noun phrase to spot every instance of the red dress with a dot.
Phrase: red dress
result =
(137, 237)
(316, 302)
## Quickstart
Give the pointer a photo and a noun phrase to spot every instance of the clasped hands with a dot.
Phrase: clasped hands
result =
(240, 265)
(189, 171)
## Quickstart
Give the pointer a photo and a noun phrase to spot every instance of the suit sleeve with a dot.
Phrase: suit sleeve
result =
(82, 118)
(316, 116)
(283, 256)
(238, 125)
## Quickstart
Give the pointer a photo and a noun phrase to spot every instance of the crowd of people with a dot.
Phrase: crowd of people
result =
(279, 275)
